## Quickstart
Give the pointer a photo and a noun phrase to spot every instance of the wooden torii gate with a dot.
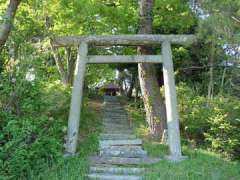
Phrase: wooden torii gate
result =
(126, 40)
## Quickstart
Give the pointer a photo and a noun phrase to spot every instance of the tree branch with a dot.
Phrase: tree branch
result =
(6, 26)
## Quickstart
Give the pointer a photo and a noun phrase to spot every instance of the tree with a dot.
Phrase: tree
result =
(153, 101)
(219, 27)
(6, 25)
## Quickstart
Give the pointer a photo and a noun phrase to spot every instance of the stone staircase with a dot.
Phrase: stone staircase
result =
(120, 151)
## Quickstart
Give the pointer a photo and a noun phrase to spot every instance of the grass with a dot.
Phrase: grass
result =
(200, 165)
(76, 168)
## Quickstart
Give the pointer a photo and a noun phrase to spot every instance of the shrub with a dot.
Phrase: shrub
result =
(214, 124)
(224, 132)
(32, 139)
(194, 114)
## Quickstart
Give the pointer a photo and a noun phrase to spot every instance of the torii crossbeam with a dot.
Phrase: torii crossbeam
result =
(126, 40)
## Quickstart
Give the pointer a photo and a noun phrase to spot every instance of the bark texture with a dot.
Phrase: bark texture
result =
(153, 101)
(6, 26)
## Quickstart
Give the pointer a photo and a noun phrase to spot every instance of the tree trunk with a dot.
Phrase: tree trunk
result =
(60, 66)
(70, 65)
(153, 101)
(130, 89)
(211, 64)
(120, 81)
(8, 18)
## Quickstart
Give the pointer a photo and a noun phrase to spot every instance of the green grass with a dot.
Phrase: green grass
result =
(76, 168)
(200, 165)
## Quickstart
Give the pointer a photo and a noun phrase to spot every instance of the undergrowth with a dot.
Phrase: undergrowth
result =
(76, 167)
(200, 165)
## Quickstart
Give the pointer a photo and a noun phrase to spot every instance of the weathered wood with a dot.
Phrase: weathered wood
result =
(133, 40)
(125, 59)
(76, 101)
(171, 103)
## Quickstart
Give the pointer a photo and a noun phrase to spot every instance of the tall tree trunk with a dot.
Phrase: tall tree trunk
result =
(8, 18)
(153, 101)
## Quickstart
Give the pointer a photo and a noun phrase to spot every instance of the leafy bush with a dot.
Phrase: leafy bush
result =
(224, 132)
(194, 114)
(213, 124)
(32, 138)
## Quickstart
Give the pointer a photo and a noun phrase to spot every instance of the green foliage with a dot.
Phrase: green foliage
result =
(173, 17)
(222, 24)
(33, 140)
(224, 132)
(194, 113)
(77, 167)
(214, 124)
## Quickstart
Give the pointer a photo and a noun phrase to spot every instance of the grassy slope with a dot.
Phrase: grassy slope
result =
(201, 164)
(76, 167)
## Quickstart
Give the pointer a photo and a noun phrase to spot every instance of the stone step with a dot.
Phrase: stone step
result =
(117, 136)
(113, 105)
(115, 123)
(112, 131)
(123, 161)
(114, 177)
(124, 151)
(115, 119)
(114, 108)
(116, 103)
(116, 114)
(109, 106)
(116, 170)
(116, 126)
(116, 111)
(107, 143)
(112, 113)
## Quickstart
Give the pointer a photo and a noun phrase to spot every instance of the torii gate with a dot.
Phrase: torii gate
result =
(126, 40)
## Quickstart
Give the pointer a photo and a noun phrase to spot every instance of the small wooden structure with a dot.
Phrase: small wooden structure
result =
(110, 89)
(127, 40)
